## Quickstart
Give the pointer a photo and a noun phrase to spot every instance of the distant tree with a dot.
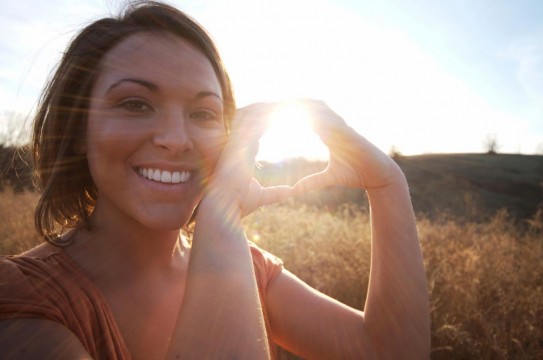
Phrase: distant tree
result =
(14, 129)
(491, 144)
(395, 153)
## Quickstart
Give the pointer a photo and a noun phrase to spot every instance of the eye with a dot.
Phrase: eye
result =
(135, 105)
(203, 115)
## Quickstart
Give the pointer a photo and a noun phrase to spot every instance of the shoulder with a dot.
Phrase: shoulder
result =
(37, 256)
(31, 284)
(39, 339)
(41, 252)
(267, 266)
(16, 269)
(44, 288)
(262, 256)
(31, 267)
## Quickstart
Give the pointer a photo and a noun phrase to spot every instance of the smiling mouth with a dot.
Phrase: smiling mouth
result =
(165, 176)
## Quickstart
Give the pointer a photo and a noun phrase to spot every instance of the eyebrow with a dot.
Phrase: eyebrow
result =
(147, 84)
(203, 94)
(154, 87)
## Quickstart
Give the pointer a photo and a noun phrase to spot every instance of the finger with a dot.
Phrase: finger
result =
(251, 121)
(242, 145)
(236, 162)
(328, 125)
(275, 194)
(312, 182)
(258, 196)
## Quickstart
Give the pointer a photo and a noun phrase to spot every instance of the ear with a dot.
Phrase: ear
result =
(80, 147)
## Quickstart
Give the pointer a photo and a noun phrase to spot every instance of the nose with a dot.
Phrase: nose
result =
(172, 133)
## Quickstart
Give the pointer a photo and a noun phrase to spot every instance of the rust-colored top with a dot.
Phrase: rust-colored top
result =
(51, 286)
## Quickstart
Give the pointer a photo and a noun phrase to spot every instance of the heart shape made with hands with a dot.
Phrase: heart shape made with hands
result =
(353, 161)
(276, 127)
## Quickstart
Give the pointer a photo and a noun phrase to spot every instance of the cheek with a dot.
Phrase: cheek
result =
(210, 145)
(105, 131)
(109, 145)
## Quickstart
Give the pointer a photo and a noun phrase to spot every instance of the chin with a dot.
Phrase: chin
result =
(165, 224)
(168, 220)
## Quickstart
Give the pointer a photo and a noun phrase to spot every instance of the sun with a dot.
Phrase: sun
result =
(290, 135)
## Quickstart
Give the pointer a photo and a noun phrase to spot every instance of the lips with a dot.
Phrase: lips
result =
(165, 176)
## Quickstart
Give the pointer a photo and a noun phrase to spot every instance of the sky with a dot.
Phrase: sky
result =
(422, 76)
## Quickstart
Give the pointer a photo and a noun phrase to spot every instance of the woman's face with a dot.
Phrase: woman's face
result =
(155, 130)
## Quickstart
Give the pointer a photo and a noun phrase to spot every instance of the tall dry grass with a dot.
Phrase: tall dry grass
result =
(486, 288)
(485, 278)
(16, 221)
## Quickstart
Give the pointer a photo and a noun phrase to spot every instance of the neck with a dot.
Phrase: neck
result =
(126, 248)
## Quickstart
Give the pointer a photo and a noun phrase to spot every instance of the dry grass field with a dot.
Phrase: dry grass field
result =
(16, 221)
(485, 278)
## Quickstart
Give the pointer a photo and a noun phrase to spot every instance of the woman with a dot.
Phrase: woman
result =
(136, 130)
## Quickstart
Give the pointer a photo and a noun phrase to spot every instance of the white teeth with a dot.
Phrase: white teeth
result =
(156, 175)
(176, 177)
(185, 175)
(165, 176)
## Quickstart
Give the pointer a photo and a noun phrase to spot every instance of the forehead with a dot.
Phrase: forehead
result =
(159, 57)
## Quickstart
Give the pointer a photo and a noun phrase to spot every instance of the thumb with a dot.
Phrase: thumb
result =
(275, 194)
(259, 196)
(312, 182)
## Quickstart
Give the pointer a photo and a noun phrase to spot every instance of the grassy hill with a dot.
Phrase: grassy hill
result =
(473, 185)
(476, 183)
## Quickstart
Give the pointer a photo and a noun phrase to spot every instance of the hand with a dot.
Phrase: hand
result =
(233, 175)
(354, 161)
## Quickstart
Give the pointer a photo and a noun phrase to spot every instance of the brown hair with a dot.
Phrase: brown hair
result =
(68, 191)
